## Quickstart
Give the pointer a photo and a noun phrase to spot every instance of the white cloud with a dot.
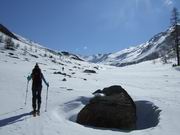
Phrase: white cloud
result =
(168, 2)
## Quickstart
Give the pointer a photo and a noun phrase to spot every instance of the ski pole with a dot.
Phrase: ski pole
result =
(46, 100)
(26, 92)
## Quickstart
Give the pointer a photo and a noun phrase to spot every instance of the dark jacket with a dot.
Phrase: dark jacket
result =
(37, 78)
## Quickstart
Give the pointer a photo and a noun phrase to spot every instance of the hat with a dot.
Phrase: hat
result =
(36, 66)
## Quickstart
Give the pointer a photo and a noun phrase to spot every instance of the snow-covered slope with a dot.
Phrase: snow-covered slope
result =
(4, 30)
(158, 46)
(153, 86)
(25, 46)
(96, 58)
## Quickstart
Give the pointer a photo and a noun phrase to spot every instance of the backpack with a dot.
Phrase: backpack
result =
(37, 77)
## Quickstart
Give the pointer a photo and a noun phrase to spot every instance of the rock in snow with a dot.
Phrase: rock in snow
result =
(89, 71)
(114, 110)
(64, 79)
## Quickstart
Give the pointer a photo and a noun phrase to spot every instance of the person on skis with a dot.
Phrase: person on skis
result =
(37, 78)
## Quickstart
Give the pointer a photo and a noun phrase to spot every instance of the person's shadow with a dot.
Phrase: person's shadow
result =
(13, 119)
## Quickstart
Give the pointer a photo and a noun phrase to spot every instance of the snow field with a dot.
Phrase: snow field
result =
(154, 88)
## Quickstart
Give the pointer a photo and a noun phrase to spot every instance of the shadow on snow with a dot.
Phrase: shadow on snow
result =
(147, 115)
(13, 119)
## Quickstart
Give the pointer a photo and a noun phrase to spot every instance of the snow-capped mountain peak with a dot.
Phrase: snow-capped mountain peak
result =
(158, 46)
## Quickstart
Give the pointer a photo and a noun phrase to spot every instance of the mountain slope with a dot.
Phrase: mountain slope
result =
(158, 106)
(4, 30)
(32, 48)
(158, 46)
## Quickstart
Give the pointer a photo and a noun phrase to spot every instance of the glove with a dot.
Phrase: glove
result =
(29, 78)
(47, 84)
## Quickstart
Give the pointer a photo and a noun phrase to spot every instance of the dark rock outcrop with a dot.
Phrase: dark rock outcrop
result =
(64, 79)
(73, 56)
(114, 110)
(4, 30)
(89, 71)
(58, 72)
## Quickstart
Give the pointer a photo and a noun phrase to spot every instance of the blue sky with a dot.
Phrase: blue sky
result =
(87, 26)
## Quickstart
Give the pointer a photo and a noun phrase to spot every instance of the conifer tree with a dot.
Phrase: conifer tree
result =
(174, 23)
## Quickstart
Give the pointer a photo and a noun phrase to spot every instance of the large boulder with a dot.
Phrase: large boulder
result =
(115, 109)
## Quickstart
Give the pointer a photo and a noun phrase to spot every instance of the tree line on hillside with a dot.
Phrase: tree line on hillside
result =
(8, 43)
